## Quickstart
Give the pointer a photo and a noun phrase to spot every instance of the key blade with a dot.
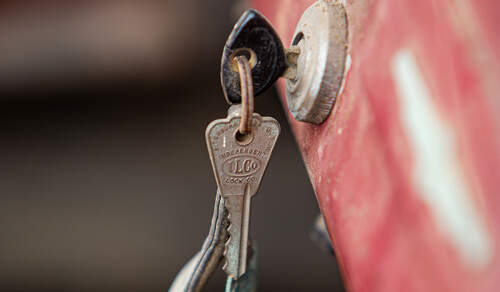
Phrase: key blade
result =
(236, 248)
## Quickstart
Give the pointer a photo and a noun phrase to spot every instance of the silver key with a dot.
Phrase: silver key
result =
(239, 163)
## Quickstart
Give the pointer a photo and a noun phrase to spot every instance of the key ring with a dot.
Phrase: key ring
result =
(247, 102)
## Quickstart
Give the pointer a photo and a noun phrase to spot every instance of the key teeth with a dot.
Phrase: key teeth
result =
(232, 267)
(226, 259)
(229, 237)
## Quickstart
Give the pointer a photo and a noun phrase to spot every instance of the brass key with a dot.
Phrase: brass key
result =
(239, 163)
(240, 147)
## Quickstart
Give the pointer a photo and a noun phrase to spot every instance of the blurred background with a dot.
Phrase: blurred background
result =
(105, 179)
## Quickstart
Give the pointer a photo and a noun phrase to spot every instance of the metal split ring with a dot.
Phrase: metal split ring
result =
(247, 102)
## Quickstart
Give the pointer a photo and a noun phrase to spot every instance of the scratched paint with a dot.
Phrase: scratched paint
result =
(437, 171)
(347, 68)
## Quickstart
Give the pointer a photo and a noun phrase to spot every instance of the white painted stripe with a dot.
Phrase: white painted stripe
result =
(437, 172)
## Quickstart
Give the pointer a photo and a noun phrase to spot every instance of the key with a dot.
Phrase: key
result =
(255, 35)
(239, 162)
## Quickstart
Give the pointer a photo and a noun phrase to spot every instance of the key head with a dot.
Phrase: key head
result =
(254, 37)
(239, 161)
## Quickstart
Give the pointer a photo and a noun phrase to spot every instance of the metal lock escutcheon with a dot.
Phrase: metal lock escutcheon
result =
(322, 40)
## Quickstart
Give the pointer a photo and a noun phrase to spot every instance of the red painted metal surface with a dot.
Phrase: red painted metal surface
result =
(406, 168)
